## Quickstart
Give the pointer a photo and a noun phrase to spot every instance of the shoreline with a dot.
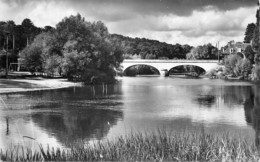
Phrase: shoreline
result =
(34, 84)
(8, 86)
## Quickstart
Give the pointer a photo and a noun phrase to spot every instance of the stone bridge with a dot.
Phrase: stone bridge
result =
(164, 66)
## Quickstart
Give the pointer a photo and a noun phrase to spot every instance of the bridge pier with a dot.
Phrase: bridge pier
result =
(164, 73)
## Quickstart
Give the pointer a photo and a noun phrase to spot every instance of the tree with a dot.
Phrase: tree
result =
(249, 32)
(256, 73)
(88, 50)
(186, 48)
(44, 53)
(30, 31)
(231, 63)
(142, 47)
(32, 59)
(48, 28)
(243, 68)
(249, 53)
(206, 51)
(255, 40)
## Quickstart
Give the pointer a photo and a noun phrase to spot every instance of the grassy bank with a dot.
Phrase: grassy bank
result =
(138, 147)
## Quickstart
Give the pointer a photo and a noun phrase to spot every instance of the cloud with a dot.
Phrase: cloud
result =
(201, 26)
(161, 7)
(173, 21)
(41, 13)
(110, 9)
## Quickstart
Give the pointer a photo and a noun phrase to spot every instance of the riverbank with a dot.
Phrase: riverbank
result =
(157, 146)
(33, 84)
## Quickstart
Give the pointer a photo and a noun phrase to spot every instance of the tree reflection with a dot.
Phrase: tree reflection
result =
(72, 126)
(206, 100)
(252, 112)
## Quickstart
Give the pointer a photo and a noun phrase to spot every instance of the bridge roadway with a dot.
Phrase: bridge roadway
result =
(164, 66)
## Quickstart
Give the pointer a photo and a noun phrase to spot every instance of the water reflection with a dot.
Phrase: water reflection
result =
(74, 126)
(68, 116)
(206, 100)
(59, 117)
(252, 112)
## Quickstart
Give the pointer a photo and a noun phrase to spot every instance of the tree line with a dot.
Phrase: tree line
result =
(142, 48)
(75, 48)
(82, 50)
(15, 37)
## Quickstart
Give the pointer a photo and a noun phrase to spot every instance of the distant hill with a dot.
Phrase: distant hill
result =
(143, 48)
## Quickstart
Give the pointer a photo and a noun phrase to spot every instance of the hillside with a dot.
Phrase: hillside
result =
(150, 49)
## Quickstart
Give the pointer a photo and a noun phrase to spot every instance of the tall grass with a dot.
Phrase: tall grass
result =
(149, 147)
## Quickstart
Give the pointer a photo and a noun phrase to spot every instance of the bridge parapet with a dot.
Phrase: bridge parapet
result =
(169, 61)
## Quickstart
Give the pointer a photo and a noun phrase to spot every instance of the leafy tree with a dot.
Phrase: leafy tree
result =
(255, 40)
(203, 52)
(88, 50)
(243, 68)
(48, 29)
(53, 65)
(257, 59)
(249, 32)
(30, 31)
(231, 63)
(32, 59)
(256, 73)
(46, 48)
(186, 48)
(249, 54)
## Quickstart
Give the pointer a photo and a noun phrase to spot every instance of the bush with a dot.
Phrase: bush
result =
(243, 68)
(256, 73)
(231, 63)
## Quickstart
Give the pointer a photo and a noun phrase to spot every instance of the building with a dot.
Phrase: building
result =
(234, 47)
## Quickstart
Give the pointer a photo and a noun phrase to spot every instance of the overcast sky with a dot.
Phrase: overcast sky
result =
(191, 22)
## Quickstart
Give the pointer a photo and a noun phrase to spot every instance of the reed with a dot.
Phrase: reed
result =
(159, 146)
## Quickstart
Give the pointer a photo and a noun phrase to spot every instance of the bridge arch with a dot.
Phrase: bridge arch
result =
(175, 66)
(163, 66)
(140, 64)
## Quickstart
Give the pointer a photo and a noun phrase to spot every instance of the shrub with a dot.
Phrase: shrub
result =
(256, 73)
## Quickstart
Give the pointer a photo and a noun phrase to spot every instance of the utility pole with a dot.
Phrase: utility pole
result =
(218, 51)
(6, 72)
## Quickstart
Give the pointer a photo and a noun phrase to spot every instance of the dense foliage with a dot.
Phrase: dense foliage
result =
(141, 48)
(249, 32)
(17, 37)
(205, 52)
(77, 49)
(252, 53)
(255, 39)
(238, 66)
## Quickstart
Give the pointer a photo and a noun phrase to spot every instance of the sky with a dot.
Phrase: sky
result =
(193, 22)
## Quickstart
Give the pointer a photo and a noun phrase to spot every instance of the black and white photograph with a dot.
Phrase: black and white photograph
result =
(129, 80)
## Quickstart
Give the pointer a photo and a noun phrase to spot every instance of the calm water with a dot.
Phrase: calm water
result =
(63, 117)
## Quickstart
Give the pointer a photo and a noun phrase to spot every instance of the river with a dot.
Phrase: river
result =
(60, 118)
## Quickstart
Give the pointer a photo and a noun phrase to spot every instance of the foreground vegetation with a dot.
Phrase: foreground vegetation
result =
(139, 147)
